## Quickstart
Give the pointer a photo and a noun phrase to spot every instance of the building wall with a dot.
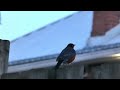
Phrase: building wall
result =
(106, 28)
(104, 21)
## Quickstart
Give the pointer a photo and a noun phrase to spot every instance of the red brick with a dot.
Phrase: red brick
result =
(104, 21)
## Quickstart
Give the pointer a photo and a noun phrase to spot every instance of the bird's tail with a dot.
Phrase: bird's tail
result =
(58, 64)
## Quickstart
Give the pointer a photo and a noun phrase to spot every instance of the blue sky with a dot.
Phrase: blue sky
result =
(17, 23)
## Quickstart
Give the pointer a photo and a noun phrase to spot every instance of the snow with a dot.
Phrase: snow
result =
(54, 37)
(111, 37)
(114, 40)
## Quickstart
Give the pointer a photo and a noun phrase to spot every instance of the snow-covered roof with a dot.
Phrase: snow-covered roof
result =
(52, 38)
(110, 37)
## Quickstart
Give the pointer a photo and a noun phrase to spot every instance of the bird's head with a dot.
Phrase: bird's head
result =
(71, 45)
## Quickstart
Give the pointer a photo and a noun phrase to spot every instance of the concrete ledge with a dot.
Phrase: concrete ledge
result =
(101, 70)
(74, 71)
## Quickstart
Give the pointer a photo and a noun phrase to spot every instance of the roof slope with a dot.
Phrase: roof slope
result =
(52, 38)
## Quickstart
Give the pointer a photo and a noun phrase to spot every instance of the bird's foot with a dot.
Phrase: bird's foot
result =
(86, 75)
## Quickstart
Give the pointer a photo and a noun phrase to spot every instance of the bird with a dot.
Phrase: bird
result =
(66, 56)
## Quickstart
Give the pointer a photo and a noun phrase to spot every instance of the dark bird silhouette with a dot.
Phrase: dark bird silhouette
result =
(66, 56)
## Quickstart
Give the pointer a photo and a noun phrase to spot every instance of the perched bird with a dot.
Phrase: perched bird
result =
(66, 56)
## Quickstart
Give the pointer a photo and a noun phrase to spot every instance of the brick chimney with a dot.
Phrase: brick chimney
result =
(104, 21)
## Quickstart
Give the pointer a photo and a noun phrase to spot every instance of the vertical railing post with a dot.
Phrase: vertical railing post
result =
(4, 55)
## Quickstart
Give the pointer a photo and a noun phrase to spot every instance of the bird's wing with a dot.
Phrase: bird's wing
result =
(70, 56)
(63, 53)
